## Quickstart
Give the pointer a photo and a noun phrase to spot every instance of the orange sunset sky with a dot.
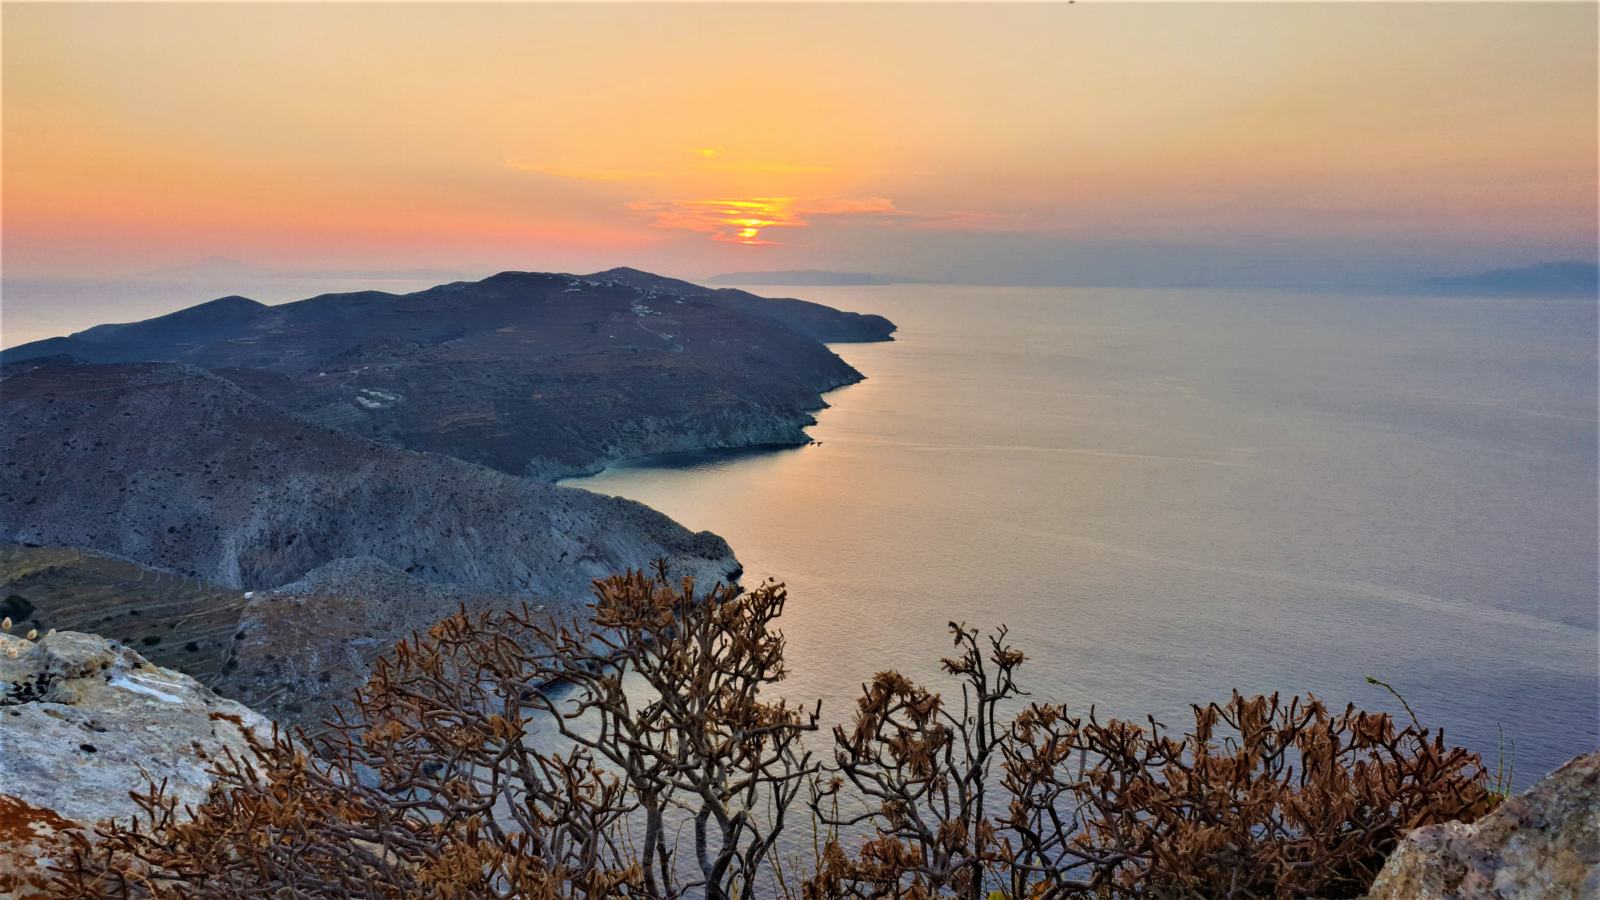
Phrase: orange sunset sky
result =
(1089, 143)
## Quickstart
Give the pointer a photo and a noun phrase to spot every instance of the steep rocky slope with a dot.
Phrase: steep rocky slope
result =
(174, 467)
(534, 374)
(291, 653)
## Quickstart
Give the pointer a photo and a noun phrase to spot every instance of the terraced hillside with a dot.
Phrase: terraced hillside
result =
(177, 622)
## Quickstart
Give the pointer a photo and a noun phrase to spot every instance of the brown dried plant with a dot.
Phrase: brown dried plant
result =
(700, 744)
(434, 788)
(923, 771)
(1263, 798)
(436, 785)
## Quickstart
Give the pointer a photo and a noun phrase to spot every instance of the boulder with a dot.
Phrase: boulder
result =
(84, 721)
(1541, 845)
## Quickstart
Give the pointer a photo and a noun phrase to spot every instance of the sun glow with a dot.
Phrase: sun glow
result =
(744, 220)
(734, 220)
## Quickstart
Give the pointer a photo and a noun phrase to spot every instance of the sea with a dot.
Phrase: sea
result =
(1169, 495)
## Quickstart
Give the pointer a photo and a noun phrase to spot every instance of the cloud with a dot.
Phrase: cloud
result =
(743, 220)
(748, 220)
(774, 168)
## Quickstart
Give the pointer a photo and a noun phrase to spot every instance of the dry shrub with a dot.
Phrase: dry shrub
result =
(1263, 798)
(433, 787)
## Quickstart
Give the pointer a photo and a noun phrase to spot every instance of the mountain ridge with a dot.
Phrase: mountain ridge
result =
(546, 375)
(371, 461)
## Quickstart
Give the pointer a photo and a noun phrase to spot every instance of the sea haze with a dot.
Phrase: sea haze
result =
(1171, 494)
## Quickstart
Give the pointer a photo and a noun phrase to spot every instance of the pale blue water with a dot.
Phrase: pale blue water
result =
(1169, 494)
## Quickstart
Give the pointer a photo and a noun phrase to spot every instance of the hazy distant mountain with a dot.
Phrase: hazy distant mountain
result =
(212, 268)
(801, 277)
(1564, 279)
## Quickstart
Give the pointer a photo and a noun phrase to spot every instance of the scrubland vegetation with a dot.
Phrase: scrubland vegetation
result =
(678, 773)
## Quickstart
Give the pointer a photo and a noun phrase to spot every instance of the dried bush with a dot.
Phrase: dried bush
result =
(434, 787)
(924, 772)
(1263, 798)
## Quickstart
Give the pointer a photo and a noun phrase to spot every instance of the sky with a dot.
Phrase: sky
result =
(1243, 144)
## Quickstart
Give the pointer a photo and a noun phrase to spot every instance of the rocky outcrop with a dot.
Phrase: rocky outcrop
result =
(176, 468)
(84, 721)
(1541, 845)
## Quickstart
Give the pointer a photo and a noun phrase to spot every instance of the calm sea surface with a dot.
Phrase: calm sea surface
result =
(1170, 494)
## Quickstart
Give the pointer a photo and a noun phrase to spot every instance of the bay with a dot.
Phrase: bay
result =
(1167, 495)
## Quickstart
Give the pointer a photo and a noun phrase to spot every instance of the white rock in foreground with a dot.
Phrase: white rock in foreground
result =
(84, 721)
(1541, 845)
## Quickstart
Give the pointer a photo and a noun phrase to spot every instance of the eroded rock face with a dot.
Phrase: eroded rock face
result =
(1542, 845)
(84, 721)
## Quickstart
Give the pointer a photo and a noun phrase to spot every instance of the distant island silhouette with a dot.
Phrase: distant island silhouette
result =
(1553, 279)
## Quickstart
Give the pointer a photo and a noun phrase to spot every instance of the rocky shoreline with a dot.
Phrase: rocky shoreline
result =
(779, 432)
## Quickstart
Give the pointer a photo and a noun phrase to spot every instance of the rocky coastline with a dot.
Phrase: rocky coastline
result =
(205, 484)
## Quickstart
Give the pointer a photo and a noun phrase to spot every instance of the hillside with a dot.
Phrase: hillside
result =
(541, 375)
(173, 467)
(266, 496)
(822, 323)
